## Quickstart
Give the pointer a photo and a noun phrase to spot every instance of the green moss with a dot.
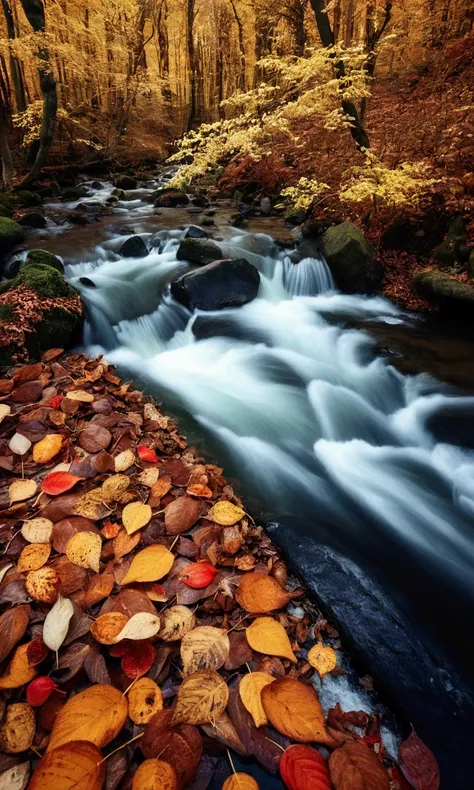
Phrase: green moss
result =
(4, 211)
(71, 193)
(45, 258)
(42, 279)
(7, 201)
(11, 233)
(28, 199)
(447, 253)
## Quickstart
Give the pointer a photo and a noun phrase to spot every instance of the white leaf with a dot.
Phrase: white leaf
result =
(124, 461)
(16, 778)
(21, 490)
(142, 625)
(37, 530)
(56, 623)
(4, 411)
(19, 444)
(4, 570)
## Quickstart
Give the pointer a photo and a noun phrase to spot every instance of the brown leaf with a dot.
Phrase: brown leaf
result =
(27, 373)
(13, 624)
(418, 763)
(205, 647)
(94, 438)
(202, 697)
(99, 587)
(43, 585)
(128, 602)
(27, 393)
(107, 627)
(64, 530)
(181, 746)
(355, 765)
(182, 514)
(240, 652)
(258, 742)
(224, 731)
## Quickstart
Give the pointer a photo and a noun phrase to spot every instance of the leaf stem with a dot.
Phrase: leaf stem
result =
(135, 738)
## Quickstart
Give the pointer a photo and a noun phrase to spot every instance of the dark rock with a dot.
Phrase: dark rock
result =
(454, 246)
(417, 681)
(266, 206)
(125, 182)
(28, 199)
(246, 210)
(417, 237)
(112, 200)
(224, 283)
(470, 266)
(11, 234)
(88, 282)
(134, 247)
(74, 193)
(200, 200)
(4, 211)
(199, 251)
(312, 229)
(33, 220)
(77, 218)
(207, 222)
(451, 296)
(171, 198)
(45, 258)
(96, 185)
(237, 220)
(194, 211)
(195, 232)
(211, 212)
(452, 424)
(351, 259)
(295, 217)
(7, 204)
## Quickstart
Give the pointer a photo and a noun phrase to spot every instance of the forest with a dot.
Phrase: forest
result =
(236, 394)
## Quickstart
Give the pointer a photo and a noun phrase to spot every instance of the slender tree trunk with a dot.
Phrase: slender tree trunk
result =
(5, 156)
(192, 70)
(17, 77)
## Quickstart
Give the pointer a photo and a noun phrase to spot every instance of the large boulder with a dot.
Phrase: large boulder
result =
(134, 247)
(225, 283)
(199, 251)
(195, 232)
(74, 193)
(443, 291)
(454, 247)
(33, 220)
(45, 258)
(126, 182)
(11, 234)
(28, 198)
(353, 262)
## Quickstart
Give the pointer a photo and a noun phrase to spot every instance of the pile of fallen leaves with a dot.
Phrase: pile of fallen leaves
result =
(147, 631)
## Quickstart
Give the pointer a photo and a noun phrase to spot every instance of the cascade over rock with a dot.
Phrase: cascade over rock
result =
(351, 259)
(226, 283)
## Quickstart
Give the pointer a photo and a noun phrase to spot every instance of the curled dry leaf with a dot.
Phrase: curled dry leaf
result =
(303, 768)
(202, 697)
(21, 490)
(18, 671)
(16, 777)
(33, 557)
(37, 530)
(135, 516)
(18, 728)
(147, 454)
(114, 487)
(322, 658)
(181, 514)
(198, 575)
(47, 448)
(58, 482)
(19, 444)
(176, 622)
(4, 411)
(266, 635)
(144, 700)
(153, 774)
(108, 626)
(43, 585)
(259, 593)
(355, 762)
(294, 710)
(77, 765)
(84, 550)
(240, 781)
(199, 490)
(150, 564)
(97, 715)
(418, 763)
(81, 396)
(205, 647)
(250, 690)
(225, 514)
(141, 626)
(56, 624)
(124, 461)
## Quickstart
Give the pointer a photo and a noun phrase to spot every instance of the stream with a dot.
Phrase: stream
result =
(332, 443)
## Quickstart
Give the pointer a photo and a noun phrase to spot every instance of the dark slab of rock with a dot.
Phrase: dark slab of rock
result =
(126, 182)
(225, 283)
(134, 247)
(353, 262)
(74, 193)
(195, 232)
(451, 296)
(200, 200)
(418, 683)
(33, 220)
(199, 251)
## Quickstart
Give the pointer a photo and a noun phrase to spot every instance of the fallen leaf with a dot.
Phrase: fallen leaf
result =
(5, 410)
(224, 731)
(4, 570)
(81, 396)
(250, 691)
(43, 585)
(107, 627)
(202, 697)
(181, 514)
(18, 728)
(124, 461)
(225, 513)
(27, 373)
(33, 557)
(303, 768)
(19, 444)
(154, 774)
(176, 622)
(258, 742)
(259, 593)
(144, 700)
(77, 765)
(199, 490)
(198, 575)
(123, 544)
(94, 438)
(240, 781)
(36, 652)
(92, 506)
(37, 530)
(354, 762)
(59, 482)
(13, 624)
(294, 710)
(147, 454)
(266, 635)
(148, 477)
(47, 448)
(114, 487)
(161, 487)
(205, 647)
(39, 690)
(56, 623)
(182, 745)
(141, 626)
(16, 777)
(418, 763)
(22, 489)
(84, 550)
(150, 564)
(97, 715)
(18, 671)
(322, 658)
(135, 516)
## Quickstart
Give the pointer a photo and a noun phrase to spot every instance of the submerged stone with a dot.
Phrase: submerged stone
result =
(352, 260)
(224, 283)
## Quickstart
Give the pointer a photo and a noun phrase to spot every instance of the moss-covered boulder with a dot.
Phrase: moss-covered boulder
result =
(353, 262)
(43, 257)
(11, 234)
(126, 182)
(199, 251)
(7, 202)
(28, 199)
(447, 293)
(74, 193)
(4, 211)
(43, 280)
(453, 247)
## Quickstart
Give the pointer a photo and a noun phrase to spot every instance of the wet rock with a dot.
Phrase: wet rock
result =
(118, 193)
(134, 247)
(295, 217)
(28, 199)
(224, 283)
(77, 218)
(33, 220)
(451, 296)
(200, 200)
(11, 234)
(470, 266)
(352, 260)
(74, 193)
(237, 220)
(207, 222)
(170, 198)
(454, 246)
(96, 185)
(45, 258)
(195, 232)
(125, 182)
(4, 211)
(88, 282)
(211, 212)
(266, 206)
(6, 204)
(199, 251)
(194, 211)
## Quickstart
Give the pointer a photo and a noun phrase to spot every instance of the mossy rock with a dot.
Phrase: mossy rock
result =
(112, 200)
(43, 257)
(74, 193)
(118, 193)
(126, 182)
(449, 251)
(7, 200)
(447, 293)
(4, 211)
(29, 199)
(11, 233)
(352, 260)
(42, 279)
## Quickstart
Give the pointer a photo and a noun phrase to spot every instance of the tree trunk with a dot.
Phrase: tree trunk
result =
(192, 70)
(5, 156)
(17, 77)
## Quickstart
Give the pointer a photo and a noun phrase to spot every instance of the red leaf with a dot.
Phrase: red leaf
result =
(36, 652)
(198, 575)
(147, 454)
(39, 690)
(303, 768)
(418, 763)
(58, 482)
(56, 402)
(138, 660)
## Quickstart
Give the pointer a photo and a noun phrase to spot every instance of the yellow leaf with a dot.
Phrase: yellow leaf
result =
(43, 585)
(266, 635)
(21, 490)
(47, 448)
(135, 516)
(124, 461)
(144, 700)
(84, 549)
(155, 774)
(33, 557)
(240, 782)
(97, 715)
(322, 658)
(149, 565)
(250, 690)
(176, 622)
(4, 411)
(225, 513)
(114, 487)
(202, 697)
(107, 627)
(205, 647)
(18, 671)
(92, 505)
(18, 728)
(73, 766)
(81, 396)
(37, 530)
(148, 477)
(294, 710)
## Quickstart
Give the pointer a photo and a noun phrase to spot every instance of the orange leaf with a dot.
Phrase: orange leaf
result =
(58, 482)
(97, 715)
(73, 766)
(294, 710)
(154, 774)
(303, 768)
(47, 448)
(250, 690)
(258, 593)
(147, 454)
(198, 575)
(266, 635)
(240, 782)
